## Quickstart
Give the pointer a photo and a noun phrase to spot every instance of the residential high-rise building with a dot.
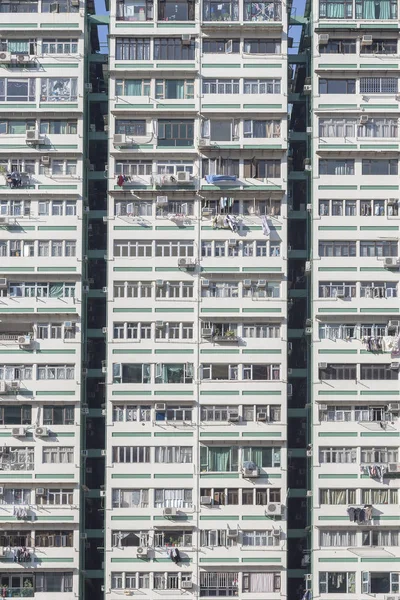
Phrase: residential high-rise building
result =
(199, 315)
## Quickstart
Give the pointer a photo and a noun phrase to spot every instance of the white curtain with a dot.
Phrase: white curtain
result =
(261, 582)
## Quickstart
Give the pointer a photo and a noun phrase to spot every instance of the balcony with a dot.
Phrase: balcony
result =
(261, 12)
(360, 10)
(19, 592)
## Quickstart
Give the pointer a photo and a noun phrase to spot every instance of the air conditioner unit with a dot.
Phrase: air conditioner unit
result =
(307, 89)
(323, 365)
(14, 386)
(182, 263)
(309, 207)
(32, 135)
(323, 38)
(75, 3)
(45, 160)
(323, 407)
(4, 220)
(309, 453)
(85, 411)
(205, 500)
(394, 406)
(232, 533)
(40, 491)
(170, 512)
(18, 431)
(24, 340)
(340, 295)
(390, 262)
(5, 57)
(142, 551)
(206, 332)
(68, 325)
(3, 387)
(205, 283)
(85, 289)
(393, 468)
(161, 200)
(159, 283)
(366, 40)
(308, 330)
(183, 177)
(42, 431)
(307, 266)
(232, 242)
(1, 490)
(233, 416)
(276, 533)
(186, 39)
(119, 139)
(251, 473)
(261, 283)
(160, 406)
(54, 7)
(105, 290)
(363, 119)
(274, 508)
(262, 416)
(186, 585)
(23, 58)
(247, 283)
(390, 323)
(159, 324)
(395, 366)
(88, 87)
(308, 577)
(3, 282)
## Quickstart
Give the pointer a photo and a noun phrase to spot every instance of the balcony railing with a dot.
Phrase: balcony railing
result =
(17, 592)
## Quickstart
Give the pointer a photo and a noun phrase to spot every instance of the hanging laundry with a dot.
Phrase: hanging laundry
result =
(368, 512)
(264, 224)
(120, 180)
(351, 513)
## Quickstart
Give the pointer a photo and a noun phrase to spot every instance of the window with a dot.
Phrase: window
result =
(382, 11)
(130, 498)
(215, 537)
(181, 89)
(383, 537)
(132, 248)
(263, 457)
(211, 46)
(169, 48)
(337, 455)
(346, 46)
(380, 583)
(60, 46)
(126, 539)
(380, 47)
(378, 85)
(58, 89)
(338, 127)
(54, 539)
(384, 248)
(134, 10)
(262, 86)
(262, 11)
(132, 87)
(173, 498)
(337, 86)
(26, 6)
(337, 583)
(261, 372)
(16, 127)
(58, 415)
(214, 10)
(132, 49)
(174, 373)
(131, 127)
(220, 166)
(58, 454)
(261, 330)
(55, 372)
(261, 129)
(220, 86)
(338, 372)
(219, 372)
(175, 289)
(173, 454)
(260, 46)
(337, 496)
(16, 415)
(59, 127)
(54, 582)
(261, 168)
(174, 413)
(259, 538)
(175, 132)
(339, 248)
(379, 166)
(335, 289)
(172, 10)
(131, 373)
(256, 583)
(333, 166)
(131, 413)
(16, 496)
(17, 90)
(179, 249)
(56, 496)
(219, 584)
(378, 372)
(338, 539)
(130, 581)
(219, 459)
(379, 496)
(15, 372)
(216, 413)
